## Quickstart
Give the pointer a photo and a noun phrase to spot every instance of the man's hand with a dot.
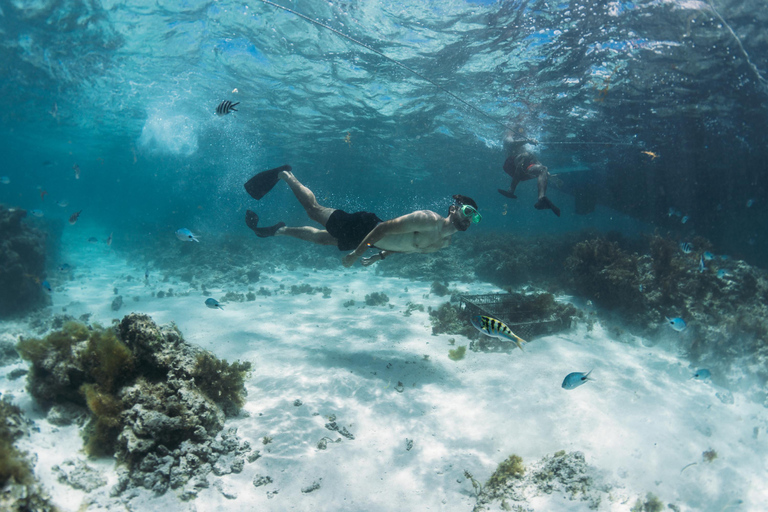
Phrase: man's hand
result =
(350, 259)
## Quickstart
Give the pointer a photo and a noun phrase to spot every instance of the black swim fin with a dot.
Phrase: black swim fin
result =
(258, 186)
(252, 221)
(507, 193)
(545, 204)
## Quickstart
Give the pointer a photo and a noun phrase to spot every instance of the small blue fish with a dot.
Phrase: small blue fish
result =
(62, 203)
(725, 257)
(702, 374)
(671, 212)
(186, 235)
(47, 286)
(496, 329)
(750, 203)
(723, 273)
(65, 268)
(685, 219)
(576, 379)
(93, 240)
(702, 268)
(36, 213)
(213, 304)
(686, 247)
(708, 256)
(5, 180)
(640, 288)
(677, 324)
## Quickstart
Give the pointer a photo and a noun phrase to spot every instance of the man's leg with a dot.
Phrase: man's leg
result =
(307, 199)
(544, 203)
(308, 234)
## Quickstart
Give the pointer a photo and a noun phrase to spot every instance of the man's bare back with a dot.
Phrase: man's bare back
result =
(422, 231)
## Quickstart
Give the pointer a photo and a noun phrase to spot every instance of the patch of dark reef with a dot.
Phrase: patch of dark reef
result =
(20, 491)
(22, 264)
(152, 400)
(725, 305)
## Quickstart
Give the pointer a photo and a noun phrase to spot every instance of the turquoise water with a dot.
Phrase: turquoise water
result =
(128, 91)
(656, 110)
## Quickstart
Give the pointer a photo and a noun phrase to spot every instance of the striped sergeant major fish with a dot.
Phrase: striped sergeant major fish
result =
(496, 329)
(686, 247)
(225, 107)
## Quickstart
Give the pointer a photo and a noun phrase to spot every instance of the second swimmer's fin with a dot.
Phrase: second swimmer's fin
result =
(507, 193)
(258, 186)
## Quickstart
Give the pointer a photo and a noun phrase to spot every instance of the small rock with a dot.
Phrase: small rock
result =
(79, 475)
(260, 480)
(15, 374)
(315, 486)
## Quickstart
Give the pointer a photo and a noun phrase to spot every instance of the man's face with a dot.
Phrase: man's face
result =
(461, 222)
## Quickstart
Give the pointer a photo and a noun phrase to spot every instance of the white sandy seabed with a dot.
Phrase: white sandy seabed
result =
(387, 379)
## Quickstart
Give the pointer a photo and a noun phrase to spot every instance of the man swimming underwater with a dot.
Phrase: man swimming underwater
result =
(421, 231)
(523, 166)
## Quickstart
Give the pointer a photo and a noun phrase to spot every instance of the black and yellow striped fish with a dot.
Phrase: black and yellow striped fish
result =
(496, 329)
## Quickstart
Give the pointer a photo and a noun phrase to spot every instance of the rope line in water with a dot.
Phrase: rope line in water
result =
(752, 66)
(436, 85)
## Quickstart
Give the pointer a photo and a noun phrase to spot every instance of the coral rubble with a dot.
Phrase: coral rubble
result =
(154, 401)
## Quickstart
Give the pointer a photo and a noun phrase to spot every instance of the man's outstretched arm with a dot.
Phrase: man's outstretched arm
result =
(410, 223)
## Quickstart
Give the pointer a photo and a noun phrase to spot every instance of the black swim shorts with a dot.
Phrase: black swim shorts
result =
(350, 228)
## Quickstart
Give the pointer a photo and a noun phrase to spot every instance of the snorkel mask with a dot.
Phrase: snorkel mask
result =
(470, 213)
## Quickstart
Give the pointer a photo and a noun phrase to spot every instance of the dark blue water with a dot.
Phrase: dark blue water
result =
(127, 92)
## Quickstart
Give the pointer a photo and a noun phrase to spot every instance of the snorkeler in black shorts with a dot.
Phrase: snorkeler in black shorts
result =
(421, 231)
(523, 166)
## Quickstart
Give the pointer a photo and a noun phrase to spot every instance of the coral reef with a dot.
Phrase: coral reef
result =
(155, 402)
(725, 305)
(449, 319)
(22, 264)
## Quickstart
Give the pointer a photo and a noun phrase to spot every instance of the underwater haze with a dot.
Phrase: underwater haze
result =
(651, 115)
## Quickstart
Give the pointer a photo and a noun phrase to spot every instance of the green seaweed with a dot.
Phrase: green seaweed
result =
(511, 468)
(13, 465)
(458, 353)
(35, 349)
(220, 381)
(107, 359)
(102, 432)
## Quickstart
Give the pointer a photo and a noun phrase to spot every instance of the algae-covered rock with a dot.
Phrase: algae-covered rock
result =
(148, 393)
(20, 491)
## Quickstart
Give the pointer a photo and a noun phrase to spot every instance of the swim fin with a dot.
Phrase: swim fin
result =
(252, 221)
(258, 186)
(507, 193)
(544, 203)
